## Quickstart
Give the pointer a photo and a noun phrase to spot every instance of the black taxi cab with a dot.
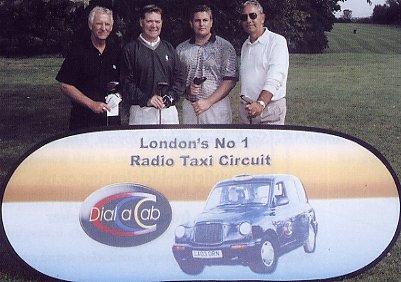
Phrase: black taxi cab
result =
(249, 220)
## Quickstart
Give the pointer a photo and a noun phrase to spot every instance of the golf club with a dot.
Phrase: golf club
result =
(198, 81)
(248, 101)
(160, 87)
(112, 87)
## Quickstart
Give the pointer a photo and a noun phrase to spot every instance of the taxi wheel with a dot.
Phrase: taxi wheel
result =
(266, 257)
(310, 243)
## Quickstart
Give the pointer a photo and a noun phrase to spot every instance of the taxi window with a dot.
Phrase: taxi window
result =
(280, 192)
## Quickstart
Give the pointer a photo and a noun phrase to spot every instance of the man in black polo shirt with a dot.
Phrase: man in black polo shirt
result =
(87, 70)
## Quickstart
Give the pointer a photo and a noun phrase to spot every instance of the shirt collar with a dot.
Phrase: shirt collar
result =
(211, 39)
(262, 39)
(152, 44)
(88, 43)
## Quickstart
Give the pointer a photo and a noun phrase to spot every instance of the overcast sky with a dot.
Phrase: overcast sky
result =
(359, 8)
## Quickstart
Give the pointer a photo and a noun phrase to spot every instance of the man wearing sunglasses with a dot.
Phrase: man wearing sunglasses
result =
(263, 71)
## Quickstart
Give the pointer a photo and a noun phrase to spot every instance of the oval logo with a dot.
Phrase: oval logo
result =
(125, 215)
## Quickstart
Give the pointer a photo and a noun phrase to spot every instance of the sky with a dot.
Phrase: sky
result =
(359, 8)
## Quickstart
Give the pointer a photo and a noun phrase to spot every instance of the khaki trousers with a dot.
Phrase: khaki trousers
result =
(273, 114)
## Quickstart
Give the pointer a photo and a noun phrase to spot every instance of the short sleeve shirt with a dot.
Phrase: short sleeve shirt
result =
(89, 70)
(216, 60)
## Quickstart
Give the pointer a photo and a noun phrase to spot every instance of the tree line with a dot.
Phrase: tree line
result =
(389, 13)
(31, 27)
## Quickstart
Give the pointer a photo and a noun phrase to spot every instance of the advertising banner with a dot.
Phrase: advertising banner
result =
(213, 203)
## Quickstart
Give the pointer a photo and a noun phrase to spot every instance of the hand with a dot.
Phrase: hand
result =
(168, 101)
(99, 107)
(201, 106)
(194, 89)
(254, 109)
(156, 101)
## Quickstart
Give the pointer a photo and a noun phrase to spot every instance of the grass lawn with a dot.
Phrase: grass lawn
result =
(354, 87)
(377, 39)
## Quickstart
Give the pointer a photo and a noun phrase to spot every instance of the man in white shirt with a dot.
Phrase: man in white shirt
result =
(263, 71)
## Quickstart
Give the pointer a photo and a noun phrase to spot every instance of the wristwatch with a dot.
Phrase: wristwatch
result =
(262, 104)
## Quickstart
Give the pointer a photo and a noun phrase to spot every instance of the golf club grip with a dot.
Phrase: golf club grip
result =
(199, 80)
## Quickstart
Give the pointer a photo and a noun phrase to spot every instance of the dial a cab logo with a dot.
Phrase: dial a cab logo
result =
(125, 215)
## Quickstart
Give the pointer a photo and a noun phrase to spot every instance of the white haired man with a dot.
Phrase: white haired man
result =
(86, 71)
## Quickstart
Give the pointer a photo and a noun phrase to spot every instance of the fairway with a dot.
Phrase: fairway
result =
(354, 87)
(375, 39)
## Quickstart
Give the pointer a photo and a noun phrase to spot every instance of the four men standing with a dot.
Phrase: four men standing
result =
(203, 69)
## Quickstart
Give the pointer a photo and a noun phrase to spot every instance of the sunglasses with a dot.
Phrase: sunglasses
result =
(252, 16)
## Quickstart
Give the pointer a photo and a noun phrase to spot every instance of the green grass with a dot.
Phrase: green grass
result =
(33, 107)
(346, 91)
(354, 87)
(376, 39)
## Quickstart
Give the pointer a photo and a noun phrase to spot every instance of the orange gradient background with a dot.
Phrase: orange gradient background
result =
(71, 168)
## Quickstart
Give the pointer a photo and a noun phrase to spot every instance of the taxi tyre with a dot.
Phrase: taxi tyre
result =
(310, 243)
(191, 267)
(266, 256)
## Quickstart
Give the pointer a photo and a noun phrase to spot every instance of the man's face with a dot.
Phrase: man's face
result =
(254, 19)
(101, 26)
(202, 24)
(151, 26)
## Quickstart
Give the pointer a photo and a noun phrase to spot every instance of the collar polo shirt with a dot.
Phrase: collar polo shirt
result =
(89, 70)
(264, 66)
(216, 60)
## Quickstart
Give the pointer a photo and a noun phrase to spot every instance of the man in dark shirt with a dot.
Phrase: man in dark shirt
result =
(86, 72)
(151, 74)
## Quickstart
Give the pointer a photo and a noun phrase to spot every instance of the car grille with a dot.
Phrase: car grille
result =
(208, 233)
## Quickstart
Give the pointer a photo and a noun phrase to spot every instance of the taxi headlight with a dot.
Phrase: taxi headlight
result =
(180, 231)
(245, 228)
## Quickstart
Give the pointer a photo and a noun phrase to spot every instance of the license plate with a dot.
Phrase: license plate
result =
(207, 254)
